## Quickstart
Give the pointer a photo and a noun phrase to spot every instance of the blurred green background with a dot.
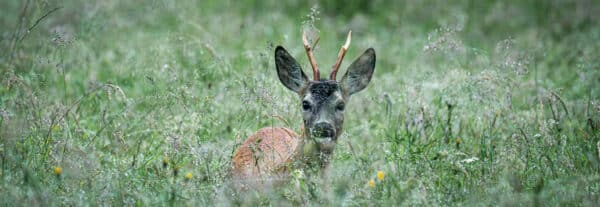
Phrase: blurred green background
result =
(144, 102)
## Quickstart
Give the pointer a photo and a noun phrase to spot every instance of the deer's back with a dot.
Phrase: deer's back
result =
(267, 152)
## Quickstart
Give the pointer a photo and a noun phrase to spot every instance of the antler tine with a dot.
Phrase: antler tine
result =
(311, 57)
(340, 57)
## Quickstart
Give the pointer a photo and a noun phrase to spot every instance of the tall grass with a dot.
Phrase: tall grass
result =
(143, 103)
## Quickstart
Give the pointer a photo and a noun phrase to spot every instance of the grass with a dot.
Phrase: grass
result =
(473, 103)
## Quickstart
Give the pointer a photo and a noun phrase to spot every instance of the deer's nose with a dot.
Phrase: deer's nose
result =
(323, 129)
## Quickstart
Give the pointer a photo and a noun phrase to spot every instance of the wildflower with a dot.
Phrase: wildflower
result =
(298, 174)
(371, 183)
(469, 160)
(188, 176)
(443, 154)
(165, 162)
(57, 170)
(380, 175)
(55, 128)
(175, 171)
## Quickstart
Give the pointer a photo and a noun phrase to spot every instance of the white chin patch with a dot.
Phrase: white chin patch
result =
(323, 139)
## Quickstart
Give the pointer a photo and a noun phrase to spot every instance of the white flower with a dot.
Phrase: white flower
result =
(469, 160)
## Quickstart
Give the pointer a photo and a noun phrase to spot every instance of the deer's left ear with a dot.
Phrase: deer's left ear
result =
(359, 73)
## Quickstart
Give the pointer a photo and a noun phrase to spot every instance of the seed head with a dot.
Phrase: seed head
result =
(165, 162)
(175, 171)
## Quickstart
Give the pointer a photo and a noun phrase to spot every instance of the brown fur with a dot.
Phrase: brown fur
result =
(268, 151)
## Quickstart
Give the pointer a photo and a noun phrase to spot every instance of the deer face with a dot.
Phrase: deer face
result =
(323, 106)
(323, 102)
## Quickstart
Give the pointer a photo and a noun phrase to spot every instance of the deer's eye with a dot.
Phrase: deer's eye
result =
(305, 105)
(340, 107)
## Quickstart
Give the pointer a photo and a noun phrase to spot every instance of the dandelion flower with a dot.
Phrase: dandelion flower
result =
(380, 175)
(57, 170)
(371, 183)
(188, 176)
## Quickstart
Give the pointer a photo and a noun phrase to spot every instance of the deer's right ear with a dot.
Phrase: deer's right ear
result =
(289, 71)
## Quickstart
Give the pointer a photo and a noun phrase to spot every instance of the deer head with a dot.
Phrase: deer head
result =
(323, 101)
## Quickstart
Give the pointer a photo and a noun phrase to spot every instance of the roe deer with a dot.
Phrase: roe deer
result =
(275, 151)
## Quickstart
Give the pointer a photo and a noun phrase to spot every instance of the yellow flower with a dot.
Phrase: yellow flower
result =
(56, 127)
(380, 175)
(165, 162)
(57, 170)
(175, 171)
(458, 140)
(371, 183)
(188, 176)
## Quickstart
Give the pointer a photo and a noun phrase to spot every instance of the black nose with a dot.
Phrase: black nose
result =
(323, 129)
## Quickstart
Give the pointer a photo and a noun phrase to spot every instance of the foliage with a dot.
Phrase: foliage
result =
(144, 102)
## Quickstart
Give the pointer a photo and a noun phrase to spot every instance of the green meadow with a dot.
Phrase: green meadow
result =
(143, 103)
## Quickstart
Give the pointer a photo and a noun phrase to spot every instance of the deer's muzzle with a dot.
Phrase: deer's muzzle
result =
(323, 130)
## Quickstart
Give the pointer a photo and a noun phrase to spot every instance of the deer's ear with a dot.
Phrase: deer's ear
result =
(289, 71)
(359, 73)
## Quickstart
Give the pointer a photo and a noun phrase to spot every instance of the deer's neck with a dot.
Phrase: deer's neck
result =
(310, 156)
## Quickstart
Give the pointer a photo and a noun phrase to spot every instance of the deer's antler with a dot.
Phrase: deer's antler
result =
(311, 57)
(340, 57)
